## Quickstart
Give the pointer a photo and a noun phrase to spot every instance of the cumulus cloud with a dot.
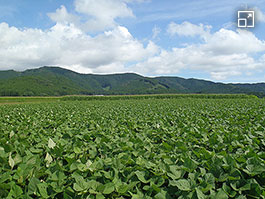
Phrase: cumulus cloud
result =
(228, 42)
(67, 45)
(70, 44)
(103, 9)
(61, 15)
(222, 54)
(99, 15)
(102, 13)
(188, 29)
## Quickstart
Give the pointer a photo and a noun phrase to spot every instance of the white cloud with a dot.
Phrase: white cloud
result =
(222, 54)
(156, 31)
(260, 16)
(227, 42)
(102, 13)
(61, 15)
(103, 9)
(95, 15)
(188, 29)
(67, 45)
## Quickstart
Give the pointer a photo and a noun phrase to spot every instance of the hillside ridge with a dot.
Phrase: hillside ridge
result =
(57, 81)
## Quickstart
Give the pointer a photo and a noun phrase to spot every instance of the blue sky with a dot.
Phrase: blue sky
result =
(191, 39)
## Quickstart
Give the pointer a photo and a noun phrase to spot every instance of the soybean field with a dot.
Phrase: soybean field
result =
(133, 148)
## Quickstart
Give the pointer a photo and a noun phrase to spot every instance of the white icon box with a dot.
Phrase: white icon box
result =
(246, 19)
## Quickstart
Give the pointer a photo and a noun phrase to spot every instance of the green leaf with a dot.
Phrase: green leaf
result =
(16, 191)
(51, 143)
(92, 153)
(182, 184)
(17, 159)
(139, 195)
(93, 184)
(5, 176)
(11, 161)
(81, 184)
(35, 150)
(42, 187)
(189, 164)
(140, 175)
(77, 150)
(245, 187)
(11, 134)
(32, 187)
(175, 172)
(100, 196)
(221, 195)
(122, 188)
(82, 167)
(199, 193)
(48, 158)
(109, 188)
(78, 187)
(161, 195)
(66, 196)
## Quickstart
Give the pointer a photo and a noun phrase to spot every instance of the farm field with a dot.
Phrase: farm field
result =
(23, 100)
(133, 148)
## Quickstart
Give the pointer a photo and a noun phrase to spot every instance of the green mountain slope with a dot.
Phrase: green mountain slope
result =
(57, 81)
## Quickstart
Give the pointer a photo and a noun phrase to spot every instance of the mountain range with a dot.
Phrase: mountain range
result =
(56, 81)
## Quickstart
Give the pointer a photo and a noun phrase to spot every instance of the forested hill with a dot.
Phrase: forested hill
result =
(56, 81)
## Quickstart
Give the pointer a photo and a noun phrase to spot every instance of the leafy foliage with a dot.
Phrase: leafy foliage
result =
(153, 148)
